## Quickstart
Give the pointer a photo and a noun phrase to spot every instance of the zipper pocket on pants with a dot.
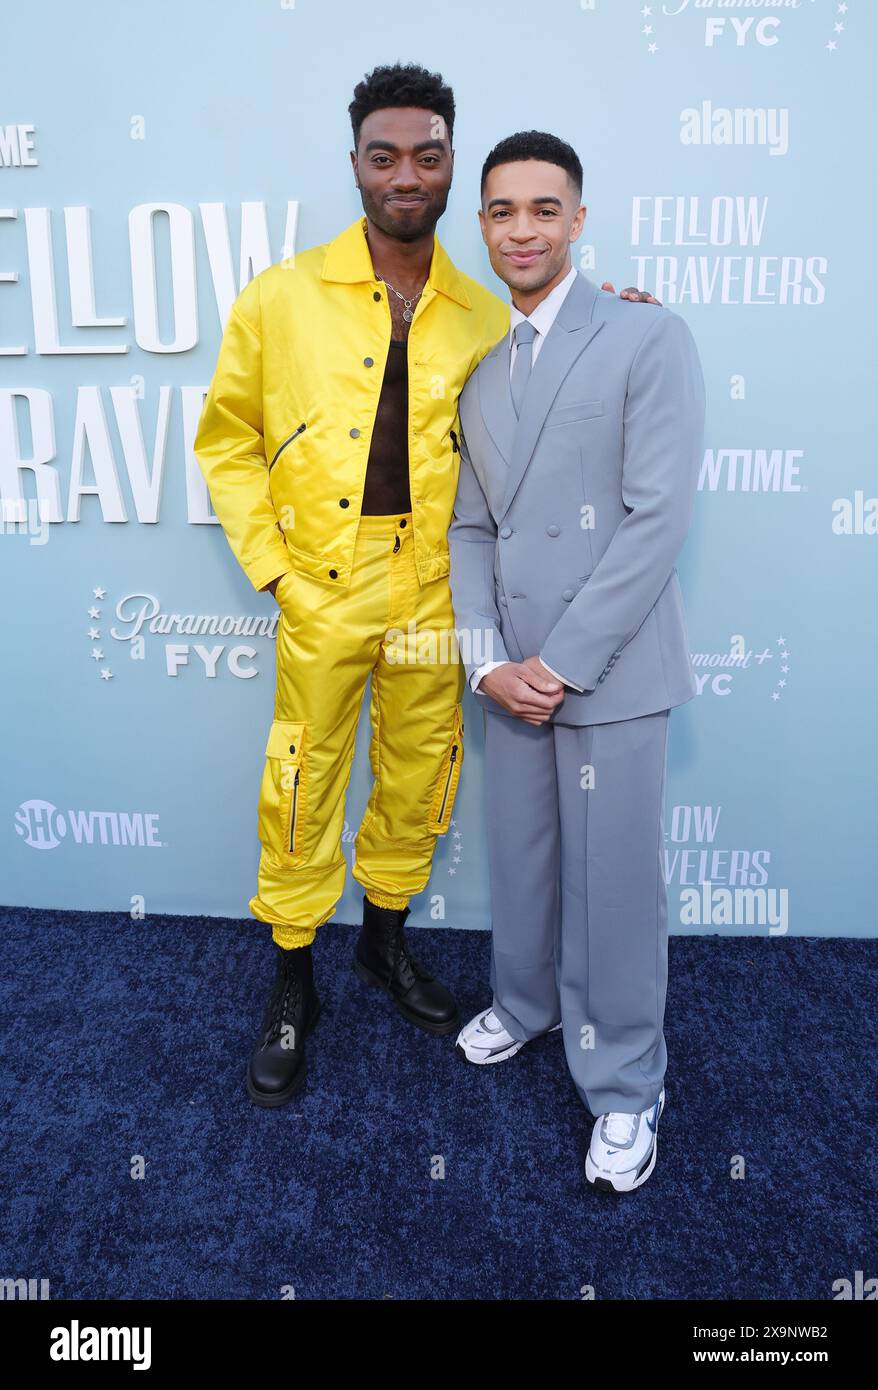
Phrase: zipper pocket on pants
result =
(284, 786)
(294, 812)
(449, 779)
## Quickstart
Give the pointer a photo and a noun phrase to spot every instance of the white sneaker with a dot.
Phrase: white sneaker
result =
(623, 1148)
(485, 1040)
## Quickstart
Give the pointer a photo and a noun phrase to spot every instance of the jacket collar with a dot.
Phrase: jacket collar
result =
(348, 261)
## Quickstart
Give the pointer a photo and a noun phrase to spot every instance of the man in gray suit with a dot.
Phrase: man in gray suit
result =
(581, 439)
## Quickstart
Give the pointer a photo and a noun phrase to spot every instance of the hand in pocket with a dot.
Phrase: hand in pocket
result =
(283, 592)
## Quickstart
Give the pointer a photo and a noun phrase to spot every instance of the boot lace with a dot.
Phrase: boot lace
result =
(405, 968)
(283, 1006)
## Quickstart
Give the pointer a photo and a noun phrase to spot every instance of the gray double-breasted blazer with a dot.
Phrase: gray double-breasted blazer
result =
(569, 520)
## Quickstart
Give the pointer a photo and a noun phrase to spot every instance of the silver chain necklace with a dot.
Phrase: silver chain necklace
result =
(407, 311)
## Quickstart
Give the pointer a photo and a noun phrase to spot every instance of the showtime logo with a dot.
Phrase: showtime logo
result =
(42, 826)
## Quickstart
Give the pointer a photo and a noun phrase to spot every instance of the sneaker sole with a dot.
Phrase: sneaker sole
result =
(602, 1184)
(499, 1056)
(503, 1056)
(437, 1029)
(271, 1100)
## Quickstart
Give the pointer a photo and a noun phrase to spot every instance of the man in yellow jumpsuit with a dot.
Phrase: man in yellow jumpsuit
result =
(329, 442)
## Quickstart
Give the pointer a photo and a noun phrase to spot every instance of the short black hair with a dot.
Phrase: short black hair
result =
(401, 84)
(535, 144)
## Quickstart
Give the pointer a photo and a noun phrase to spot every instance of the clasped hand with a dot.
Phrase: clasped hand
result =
(525, 689)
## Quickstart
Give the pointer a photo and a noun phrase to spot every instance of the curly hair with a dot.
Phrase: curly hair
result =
(402, 84)
(535, 144)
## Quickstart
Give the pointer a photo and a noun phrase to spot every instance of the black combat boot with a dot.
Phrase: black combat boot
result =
(277, 1064)
(383, 958)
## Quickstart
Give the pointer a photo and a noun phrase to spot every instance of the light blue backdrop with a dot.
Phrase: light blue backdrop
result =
(772, 766)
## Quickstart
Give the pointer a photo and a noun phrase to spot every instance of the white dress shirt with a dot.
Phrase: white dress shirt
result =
(542, 318)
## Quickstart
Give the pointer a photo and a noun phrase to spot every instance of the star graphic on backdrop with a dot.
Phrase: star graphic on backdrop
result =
(839, 28)
(647, 29)
(781, 641)
(785, 669)
(775, 696)
(842, 9)
(106, 673)
(99, 593)
(653, 47)
(646, 11)
(94, 633)
(94, 612)
(97, 653)
(832, 45)
(456, 861)
(452, 872)
(781, 683)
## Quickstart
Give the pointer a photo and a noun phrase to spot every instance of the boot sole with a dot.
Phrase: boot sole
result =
(437, 1029)
(271, 1100)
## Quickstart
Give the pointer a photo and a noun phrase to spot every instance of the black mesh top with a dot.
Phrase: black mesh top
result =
(387, 471)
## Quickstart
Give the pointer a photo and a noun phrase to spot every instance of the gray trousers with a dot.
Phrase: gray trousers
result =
(578, 897)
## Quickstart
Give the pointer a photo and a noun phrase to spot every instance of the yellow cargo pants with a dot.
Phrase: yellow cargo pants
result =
(387, 625)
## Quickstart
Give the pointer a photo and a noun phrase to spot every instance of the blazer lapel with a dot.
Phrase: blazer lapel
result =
(579, 320)
(495, 398)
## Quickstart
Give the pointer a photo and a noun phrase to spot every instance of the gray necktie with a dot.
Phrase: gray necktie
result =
(524, 335)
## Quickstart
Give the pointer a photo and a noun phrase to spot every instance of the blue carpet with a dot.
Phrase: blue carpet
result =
(130, 1038)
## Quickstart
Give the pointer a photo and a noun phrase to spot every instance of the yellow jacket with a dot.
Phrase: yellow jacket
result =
(284, 434)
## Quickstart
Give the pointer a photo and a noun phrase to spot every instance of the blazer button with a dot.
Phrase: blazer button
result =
(343, 502)
(506, 532)
(568, 595)
(553, 530)
(333, 574)
(355, 434)
(377, 294)
(368, 362)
